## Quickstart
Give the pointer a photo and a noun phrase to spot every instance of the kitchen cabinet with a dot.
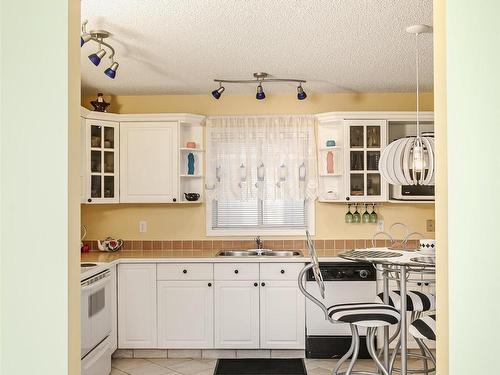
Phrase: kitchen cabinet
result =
(185, 314)
(365, 140)
(148, 162)
(100, 164)
(137, 326)
(237, 314)
(282, 315)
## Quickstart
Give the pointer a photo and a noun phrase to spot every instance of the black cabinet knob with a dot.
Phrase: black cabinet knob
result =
(209, 284)
(175, 199)
(184, 271)
(282, 271)
(263, 284)
(255, 284)
(89, 200)
(347, 198)
(235, 271)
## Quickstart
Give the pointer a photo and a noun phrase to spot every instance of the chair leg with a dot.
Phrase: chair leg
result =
(370, 345)
(346, 355)
(424, 355)
(394, 355)
(355, 337)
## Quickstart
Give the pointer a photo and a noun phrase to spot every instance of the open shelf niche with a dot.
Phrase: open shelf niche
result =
(191, 183)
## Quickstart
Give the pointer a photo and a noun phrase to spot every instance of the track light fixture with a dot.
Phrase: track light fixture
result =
(260, 93)
(217, 93)
(98, 37)
(260, 78)
(301, 94)
(96, 57)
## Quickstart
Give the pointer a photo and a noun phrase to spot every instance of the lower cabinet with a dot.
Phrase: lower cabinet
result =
(137, 306)
(282, 315)
(237, 314)
(185, 314)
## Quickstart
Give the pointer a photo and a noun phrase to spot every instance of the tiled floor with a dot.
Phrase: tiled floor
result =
(174, 366)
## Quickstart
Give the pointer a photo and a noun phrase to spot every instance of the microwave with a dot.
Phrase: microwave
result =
(412, 192)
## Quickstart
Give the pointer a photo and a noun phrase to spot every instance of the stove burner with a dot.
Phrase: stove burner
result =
(88, 265)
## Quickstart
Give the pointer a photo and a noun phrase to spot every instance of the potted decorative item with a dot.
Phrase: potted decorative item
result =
(99, 104)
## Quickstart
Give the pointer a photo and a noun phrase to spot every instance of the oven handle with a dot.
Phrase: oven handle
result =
(97, 284)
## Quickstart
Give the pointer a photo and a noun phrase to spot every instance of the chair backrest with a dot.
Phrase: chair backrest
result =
(314, 266)
(315, 262)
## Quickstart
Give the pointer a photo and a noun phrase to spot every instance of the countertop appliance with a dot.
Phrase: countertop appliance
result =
(96, 324)
(412, 192)
(345, 282)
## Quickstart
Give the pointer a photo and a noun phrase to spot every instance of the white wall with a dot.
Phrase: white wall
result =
(473, 81)
(38, 210)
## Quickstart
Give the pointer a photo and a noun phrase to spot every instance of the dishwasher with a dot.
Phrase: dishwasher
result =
(345, 282)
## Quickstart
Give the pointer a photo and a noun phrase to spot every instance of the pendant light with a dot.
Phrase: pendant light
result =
(410, 161)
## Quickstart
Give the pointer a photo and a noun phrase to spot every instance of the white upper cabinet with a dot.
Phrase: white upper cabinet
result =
(100, 164)
(148, 162)
(365, 140)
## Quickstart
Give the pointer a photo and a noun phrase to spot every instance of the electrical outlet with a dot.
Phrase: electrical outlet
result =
(380, 226)
(143, 226)
(430, 225)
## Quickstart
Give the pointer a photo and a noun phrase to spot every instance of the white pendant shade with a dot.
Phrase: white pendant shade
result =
(397, 162)
(410, 161)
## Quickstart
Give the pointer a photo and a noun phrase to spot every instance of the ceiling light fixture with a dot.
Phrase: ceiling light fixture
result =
(260, 77)
(410, 161)
(217, 93)
(301, 94)
(260, 93)
(98, 37)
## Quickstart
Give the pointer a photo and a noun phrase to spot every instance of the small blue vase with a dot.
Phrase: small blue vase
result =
(190, 163)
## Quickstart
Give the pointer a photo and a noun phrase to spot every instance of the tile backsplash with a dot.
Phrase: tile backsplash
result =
(324, 247)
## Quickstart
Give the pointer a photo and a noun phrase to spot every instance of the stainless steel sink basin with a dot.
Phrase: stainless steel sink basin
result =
(282, 253)
(259, 252)
(238, 253)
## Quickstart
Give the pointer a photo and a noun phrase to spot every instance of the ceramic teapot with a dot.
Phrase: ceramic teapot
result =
(192, 196)
(110, 244)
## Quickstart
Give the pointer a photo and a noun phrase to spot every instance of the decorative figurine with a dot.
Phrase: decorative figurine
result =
(191, 163)
(99, 104)
(329, 162)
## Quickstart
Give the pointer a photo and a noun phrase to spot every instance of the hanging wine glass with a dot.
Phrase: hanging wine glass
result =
(356, 216)
(366, 215)
(373, 215)
(348, 215)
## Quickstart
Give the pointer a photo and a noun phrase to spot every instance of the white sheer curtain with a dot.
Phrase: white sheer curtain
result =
(268, 158)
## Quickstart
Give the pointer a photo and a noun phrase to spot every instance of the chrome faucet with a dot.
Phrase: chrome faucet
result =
(259, 243)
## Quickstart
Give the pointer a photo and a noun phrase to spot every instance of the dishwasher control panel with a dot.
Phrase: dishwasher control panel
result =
(345, 271)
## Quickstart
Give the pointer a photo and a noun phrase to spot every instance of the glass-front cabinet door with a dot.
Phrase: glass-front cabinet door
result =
(365, 141)
(102, 163)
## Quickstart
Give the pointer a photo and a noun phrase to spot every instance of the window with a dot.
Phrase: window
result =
(261, 175)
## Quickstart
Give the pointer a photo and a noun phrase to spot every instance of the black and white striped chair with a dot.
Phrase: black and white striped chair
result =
(369, 315)
(417, 302)
(424, 328)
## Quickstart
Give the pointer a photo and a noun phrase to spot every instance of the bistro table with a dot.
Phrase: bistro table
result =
(402, 263)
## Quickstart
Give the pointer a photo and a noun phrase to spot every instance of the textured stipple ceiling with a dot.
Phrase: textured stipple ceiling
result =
(180, 46)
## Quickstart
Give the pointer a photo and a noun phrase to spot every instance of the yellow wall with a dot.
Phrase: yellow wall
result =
(188, 222)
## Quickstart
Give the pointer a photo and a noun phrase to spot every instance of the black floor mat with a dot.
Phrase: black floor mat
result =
(260, 366)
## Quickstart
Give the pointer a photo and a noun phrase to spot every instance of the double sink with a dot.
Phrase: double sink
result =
(259, 253)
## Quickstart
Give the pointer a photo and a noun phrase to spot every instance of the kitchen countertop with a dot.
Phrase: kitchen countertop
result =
(108, 259)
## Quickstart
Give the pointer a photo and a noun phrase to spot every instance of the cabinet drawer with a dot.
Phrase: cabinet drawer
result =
(236, 271)
(185, 271)
(280, 271)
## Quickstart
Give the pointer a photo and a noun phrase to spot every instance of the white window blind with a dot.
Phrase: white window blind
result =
(259, 214)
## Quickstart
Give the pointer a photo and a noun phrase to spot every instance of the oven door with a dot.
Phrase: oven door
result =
(95, 311)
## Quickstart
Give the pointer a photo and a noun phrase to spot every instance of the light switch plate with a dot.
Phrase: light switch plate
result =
(430, 225)
(143, 226)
